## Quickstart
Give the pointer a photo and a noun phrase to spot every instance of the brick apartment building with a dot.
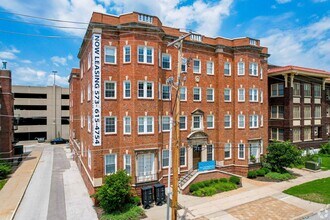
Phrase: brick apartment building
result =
(120, 104)
(299, 105)
(6, 115)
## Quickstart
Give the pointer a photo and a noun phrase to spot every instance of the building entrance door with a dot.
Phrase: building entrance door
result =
(197, 155)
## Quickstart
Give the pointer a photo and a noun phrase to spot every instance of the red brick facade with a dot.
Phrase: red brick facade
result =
(125, 30)
(6, 115)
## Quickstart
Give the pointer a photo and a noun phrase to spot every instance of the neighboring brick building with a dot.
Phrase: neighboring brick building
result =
(6, 115)
(122, 103)
(299, 105)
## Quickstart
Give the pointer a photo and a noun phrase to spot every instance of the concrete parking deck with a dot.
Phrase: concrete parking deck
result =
(12, 193)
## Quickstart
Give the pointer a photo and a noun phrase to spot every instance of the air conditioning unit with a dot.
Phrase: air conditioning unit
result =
(220, 163)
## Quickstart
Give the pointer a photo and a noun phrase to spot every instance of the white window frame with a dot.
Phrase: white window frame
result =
(240, 116)
(277, 112)
(145, 89)
(185, 157)
(89, 159)
(115, 89)
(105, 54)
(169, 92)
(105, 163)
(210, 89)
(238, 151)
(254, 121)
(207, 151)
(212, 67)
(227, 115)
(253, 95)
(241, 71)
(230, 151)
(89, 92)
(320, 90)
(125, 88)
(129, 124)
(253, 69)
(276, 85)
(207, 121)
(168, 158)
(224, 94)
(229, 69)
(200, 66)
(200, 122)
(124, 54)
(145, 60)
(105, 124)
(89, 124)
(128, 164)
(200, 94)
(185, 93)
(185, 122)
(145, 125)
(320, 111)
(170, 61)
(296, 89)
(184, 65)
(89, 61)
(238, 95)
(169, 123)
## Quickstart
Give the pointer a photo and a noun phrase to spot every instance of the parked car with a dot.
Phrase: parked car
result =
(59, 141)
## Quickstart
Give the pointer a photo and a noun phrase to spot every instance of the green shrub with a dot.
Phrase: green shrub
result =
(223, 187)
(209, 191)
(266, 170)
(234, 179)
(135, 200)
(115, 193)
(131, 212)
(260, 172)
(5, 169)
(325, 148)
(223, 180)
(278, 176)
(252, 174)
(193, 187)
(207, 183)
(198, 193)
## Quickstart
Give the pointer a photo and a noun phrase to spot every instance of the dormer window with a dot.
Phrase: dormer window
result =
(145, 18)
(196, 37)
(253, 42)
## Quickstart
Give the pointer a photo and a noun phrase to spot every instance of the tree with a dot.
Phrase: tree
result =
(281, 155)
(115, 194)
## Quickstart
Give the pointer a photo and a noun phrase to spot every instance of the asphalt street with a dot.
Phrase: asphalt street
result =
(56, 190)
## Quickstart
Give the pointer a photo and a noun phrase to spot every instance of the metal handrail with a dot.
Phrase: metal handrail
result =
(186, 176)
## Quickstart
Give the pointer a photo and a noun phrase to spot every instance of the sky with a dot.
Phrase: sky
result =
(297, 32)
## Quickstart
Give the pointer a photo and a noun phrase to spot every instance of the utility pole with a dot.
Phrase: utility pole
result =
(177, 139)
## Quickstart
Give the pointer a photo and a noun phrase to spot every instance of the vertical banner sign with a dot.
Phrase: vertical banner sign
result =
(96, 90)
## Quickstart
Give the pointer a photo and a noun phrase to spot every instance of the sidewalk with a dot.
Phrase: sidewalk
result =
(12, 193)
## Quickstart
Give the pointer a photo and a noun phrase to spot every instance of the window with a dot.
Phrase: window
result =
(145, 90)
(183, 93)
(89, 61)
(227, 95)
(227, 121)
(209, 152)
(110, 163)
(307, 90)
(261, 73)
(127, 125)
(184, 65)
(197, 94)
(210, 121)
(127, 89)
(166, 61)
(227, 151)
(296, 89)
(241, 151)
(145, 167)
(110, 55)
(166, 123)
(240, 68)
(317, 91)
(227, 69)
(254, 121)
(127, 163)
(296, 112)
(89, 93)
(277, 90)
(261, 97)
(210, 94)
(127, 54)
(307, 133)
(197, 66)
(307, 112)
(277, 111)
(296, 134)
(261, 120)
(317, 111)
(166, 93)
(110, 125)
(81, 121)
(277, 134)
(81, 96)
(182, 156)
(145, 54)
(165, 158)
(317, 132)
(183, 122)
(89, 124)
(253, 42)
(253, 70)
(145, 18)
(241, 121)
(89, 158)
(241, 94)
(145, 125)
(197, 122)
(196, 37)
(253, 95)
(210, 67)
(110, 90)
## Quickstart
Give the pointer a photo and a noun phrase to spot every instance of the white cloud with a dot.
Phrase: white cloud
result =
(57, 61)
(70, 57)
(9, 54)
(283, 1)
(26, 61)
